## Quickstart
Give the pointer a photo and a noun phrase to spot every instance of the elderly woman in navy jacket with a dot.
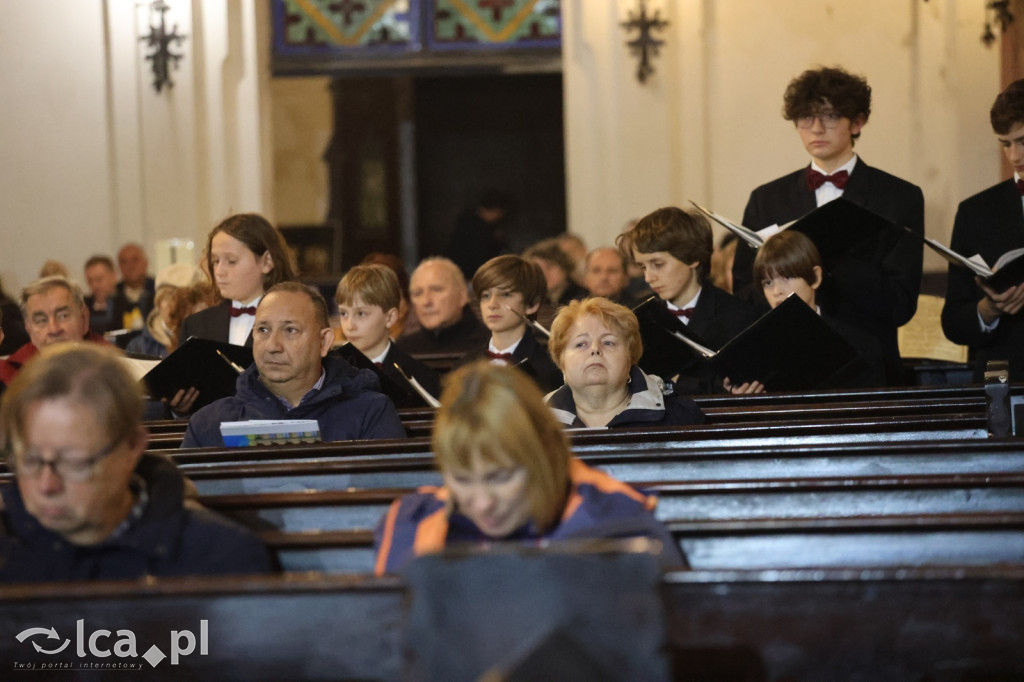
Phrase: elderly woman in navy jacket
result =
(596, 344)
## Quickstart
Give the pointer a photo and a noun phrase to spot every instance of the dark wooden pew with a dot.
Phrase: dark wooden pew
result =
(886, 539)
(808, 406)
(875, 624)
(304, 470)
(691, 500)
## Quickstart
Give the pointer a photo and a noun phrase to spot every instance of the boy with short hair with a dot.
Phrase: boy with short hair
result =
(674, 249)
(991, 223)
(829, 107)
(368, 297)
(789, 264)
(511, 289)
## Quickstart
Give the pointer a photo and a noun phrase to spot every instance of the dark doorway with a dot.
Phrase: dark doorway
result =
(410, 153)
(476, 133)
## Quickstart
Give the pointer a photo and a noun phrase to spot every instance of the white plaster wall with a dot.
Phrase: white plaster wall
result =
(93, 156)
(707, 125)
(55, 189)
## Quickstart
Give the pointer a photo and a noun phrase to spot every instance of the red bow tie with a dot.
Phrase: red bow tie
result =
(1020, 187)
(682, 312)
(507, 357)
(816, 179)
(238, 312)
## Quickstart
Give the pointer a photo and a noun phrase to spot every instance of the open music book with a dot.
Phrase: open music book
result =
(1008, 271)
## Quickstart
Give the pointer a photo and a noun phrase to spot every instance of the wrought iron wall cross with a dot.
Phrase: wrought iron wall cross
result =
(645, 45)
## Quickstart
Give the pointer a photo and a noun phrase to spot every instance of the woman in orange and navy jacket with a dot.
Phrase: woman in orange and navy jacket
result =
(509, 476)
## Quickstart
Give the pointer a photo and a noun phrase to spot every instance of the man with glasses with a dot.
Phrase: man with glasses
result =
(829, 107)
(87, 502)
(54, 311)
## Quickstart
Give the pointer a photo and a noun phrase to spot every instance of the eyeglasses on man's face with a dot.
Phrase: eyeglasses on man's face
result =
(829, 119)
(41, 319)
(70, 467)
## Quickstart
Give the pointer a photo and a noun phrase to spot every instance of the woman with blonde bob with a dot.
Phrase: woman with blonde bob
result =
(596, 344)
(508, 475)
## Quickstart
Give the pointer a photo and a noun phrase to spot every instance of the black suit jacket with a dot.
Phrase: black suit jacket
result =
(213, 323)
(532, 358)
(392, 384)
(466, 334)
(876, 294)
(989, 223)
(717, 318)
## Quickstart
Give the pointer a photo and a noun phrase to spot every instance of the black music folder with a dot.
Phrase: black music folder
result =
(790, 348)
(210, 366)
(400, 391)
(669, 345)
(1007, 272)
(839, 229)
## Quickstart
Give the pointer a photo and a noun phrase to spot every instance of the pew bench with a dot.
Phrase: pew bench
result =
(833, 624)
(885, 539)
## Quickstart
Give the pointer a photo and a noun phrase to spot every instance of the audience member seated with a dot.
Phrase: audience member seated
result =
(291, 379)
(15, 334)
(596, 344)
(557, 268)
(160, 335)
(55, 311)
(54, 267)
(368, 297)
(86, 502)
(576, 249)
(136, 289)
(440, 299)
(509, 476)
(105, 311)
(789, 265)
(510, 290)
(674, 249)
(606, 275)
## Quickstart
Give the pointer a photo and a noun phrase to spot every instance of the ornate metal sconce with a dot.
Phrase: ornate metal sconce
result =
(159, 39)
(644, 45)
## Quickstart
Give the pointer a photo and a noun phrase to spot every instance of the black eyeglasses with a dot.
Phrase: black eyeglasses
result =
(829, 119)
(69, 469)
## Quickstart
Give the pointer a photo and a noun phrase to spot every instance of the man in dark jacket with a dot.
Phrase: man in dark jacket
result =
(86, 502)
(292, 378)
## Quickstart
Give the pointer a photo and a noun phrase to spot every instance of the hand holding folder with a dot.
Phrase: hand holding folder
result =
(212, 367)
(789, 348)
(1007, 272)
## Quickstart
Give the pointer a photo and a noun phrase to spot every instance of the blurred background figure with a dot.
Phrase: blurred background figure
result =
(576, 249)
(605, 274)
(480, 232)
(105, 313)
(557, 268)
(136, 288)
(161, 335)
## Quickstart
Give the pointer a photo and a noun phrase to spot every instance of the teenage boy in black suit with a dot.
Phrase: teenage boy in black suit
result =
(510, 290)
(674, 249)
(990, 223)
(878, 294)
